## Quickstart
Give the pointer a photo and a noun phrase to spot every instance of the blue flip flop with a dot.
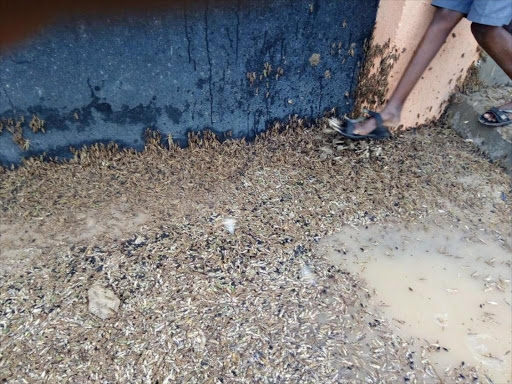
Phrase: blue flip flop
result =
(379, 133)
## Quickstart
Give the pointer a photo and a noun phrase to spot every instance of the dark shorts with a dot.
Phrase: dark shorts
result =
(488, 12)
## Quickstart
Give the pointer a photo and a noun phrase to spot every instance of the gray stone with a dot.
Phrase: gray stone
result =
(103, 302)
(463, 115)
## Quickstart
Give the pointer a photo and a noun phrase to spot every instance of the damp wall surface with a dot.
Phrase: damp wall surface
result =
(229, 67)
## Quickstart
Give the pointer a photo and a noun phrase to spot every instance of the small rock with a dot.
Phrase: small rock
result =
(139, 240)
(103, 302)
(308, 275)
(230, 224)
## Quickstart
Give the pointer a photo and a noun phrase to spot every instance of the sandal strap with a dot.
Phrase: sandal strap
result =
(377, 116)
(499, 114)
(350, 126)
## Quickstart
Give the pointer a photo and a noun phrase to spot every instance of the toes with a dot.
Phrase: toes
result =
(489, 117)
(366, 127)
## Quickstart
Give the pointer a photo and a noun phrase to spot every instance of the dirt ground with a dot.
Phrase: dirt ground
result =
(201, 303)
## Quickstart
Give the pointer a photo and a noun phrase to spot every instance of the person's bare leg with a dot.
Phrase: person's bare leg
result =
(439, 29)
(497, 42)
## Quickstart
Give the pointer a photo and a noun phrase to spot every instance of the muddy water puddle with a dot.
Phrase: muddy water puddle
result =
(447, 287)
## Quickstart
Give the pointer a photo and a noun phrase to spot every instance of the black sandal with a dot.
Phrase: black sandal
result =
(501, 116)
(379, 133)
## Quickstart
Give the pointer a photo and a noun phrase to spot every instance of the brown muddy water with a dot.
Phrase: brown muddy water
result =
(447, 287)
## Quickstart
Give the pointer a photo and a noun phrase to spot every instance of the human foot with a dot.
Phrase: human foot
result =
(348, 128)
(498, 116)
(367, 126)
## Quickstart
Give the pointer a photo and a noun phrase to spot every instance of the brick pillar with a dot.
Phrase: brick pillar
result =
(399, 28)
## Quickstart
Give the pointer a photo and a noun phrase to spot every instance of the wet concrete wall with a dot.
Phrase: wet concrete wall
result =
(230, 67)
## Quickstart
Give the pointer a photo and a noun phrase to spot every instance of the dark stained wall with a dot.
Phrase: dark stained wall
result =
(226, 67)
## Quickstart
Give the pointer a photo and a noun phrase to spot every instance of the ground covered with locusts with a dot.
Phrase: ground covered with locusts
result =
(206, 302)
